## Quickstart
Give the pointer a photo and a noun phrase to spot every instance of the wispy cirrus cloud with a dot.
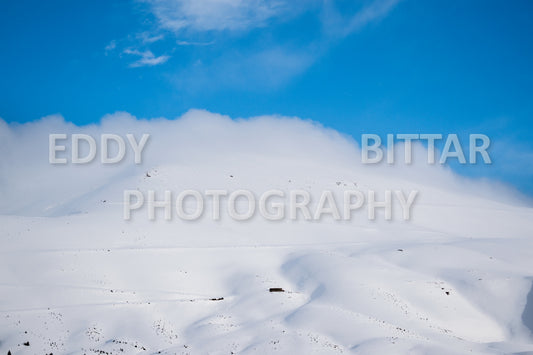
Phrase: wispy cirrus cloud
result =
(193, 16)
(216, 15)
(193, 43)
(146, 58)
(339, 24)
(110, 47)
(240, 47)
(147, 37)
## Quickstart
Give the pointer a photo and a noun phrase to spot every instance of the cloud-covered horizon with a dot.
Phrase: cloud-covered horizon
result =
(277, 145)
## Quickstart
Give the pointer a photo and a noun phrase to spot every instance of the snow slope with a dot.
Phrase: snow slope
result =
(76, 278)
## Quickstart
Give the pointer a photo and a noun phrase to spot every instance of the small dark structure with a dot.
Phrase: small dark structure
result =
(276, 289)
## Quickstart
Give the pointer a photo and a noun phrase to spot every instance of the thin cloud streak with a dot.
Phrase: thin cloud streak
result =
(215, 15)
(147, 58)
(260, 64)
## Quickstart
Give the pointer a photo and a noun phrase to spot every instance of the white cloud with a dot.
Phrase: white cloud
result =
(147, 58)
(261, 63)
(192, 43)
(215, 15)
(340, 25)
(111, 46)
(147, 37)
(278, 147)
(242, 15)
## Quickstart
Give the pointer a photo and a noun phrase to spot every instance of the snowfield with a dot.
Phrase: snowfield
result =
(76, 278)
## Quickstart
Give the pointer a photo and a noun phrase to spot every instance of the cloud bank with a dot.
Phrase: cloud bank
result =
(202, 146)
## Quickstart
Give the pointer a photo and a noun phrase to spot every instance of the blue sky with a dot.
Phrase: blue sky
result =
(376, 66)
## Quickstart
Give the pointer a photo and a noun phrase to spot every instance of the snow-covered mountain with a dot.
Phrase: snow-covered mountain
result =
(75, 277)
